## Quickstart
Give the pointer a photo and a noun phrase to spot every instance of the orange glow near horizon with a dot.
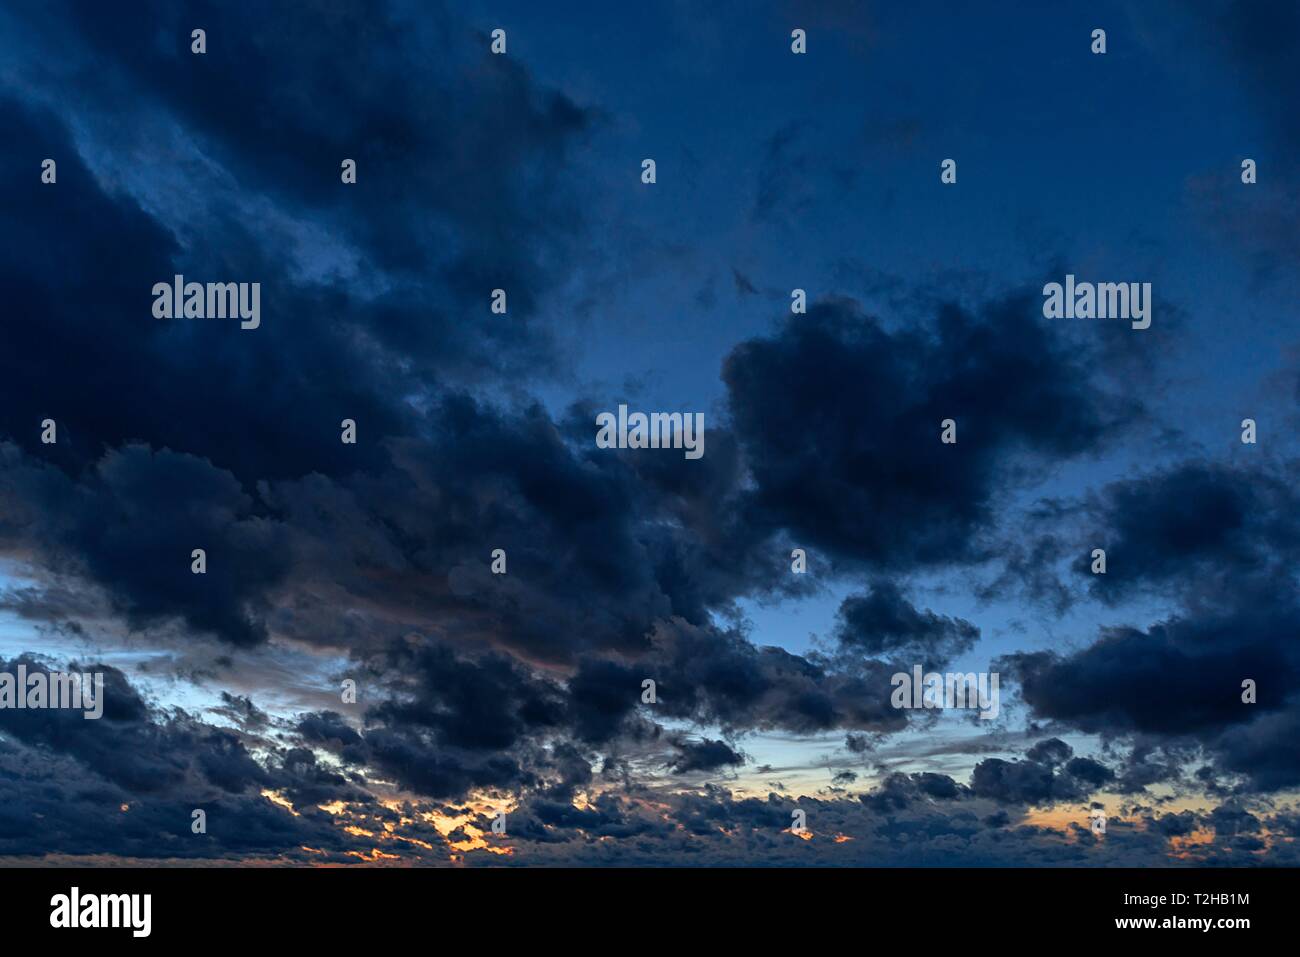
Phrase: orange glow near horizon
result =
(275, 797)
(1185, 846)
(375, 855)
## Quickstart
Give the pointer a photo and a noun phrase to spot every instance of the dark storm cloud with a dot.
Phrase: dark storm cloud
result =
(1088, 772)
(590, 563)
(1050, 751)
(1221, 541)
(618, 555)
(446, 724)
(882, 622)
(857, 743)
(420, 763)
(93, 795)
(704, 755)
(602, 694)
(460, 142)
(78, 355)
(53, 805)
(1176, 677)
(131, 525)
(607, 816)
(1182, 681)
(1176, 825)
(840, 421)
(486, 704)
(128, 747)
(713, 807)
(1158, 761)
(455, 723)
(916, 820)
(719, 678)
(1047, 775)
(242, 711)
(330, 730)
(599, 546)
(1233, 819)
(1032, 567)
(449, 722)
(898, 792)
(1198, 527)
(126, 783)
(407, 545)
(706, 551)
(1263, 753)
(1031, 782)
